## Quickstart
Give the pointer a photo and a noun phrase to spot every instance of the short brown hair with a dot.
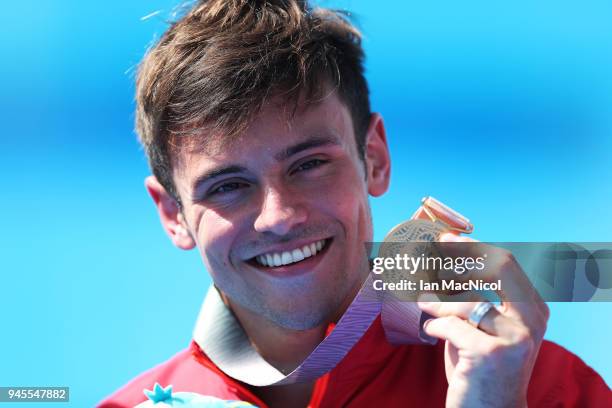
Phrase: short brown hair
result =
(216, 66)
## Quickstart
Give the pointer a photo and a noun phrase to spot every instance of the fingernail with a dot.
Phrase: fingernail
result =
(425, 323)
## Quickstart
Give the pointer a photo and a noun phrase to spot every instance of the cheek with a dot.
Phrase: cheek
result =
(346, 200)
(215, 235)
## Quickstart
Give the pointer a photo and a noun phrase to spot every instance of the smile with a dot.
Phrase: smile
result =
(273, 259)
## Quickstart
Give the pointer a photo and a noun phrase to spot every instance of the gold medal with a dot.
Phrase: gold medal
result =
(414, 239)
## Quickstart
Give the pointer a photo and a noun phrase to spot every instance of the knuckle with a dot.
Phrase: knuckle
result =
(523, 343)
(541, 321)
(519, 345)
(520, 334)
(494, 348)
(501, 260)
(464, 308)
(507, 260)
(453, 320)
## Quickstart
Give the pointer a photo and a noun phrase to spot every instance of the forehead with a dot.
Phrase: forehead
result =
(278, 124)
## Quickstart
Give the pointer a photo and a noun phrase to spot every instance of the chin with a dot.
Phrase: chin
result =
(309, 311)
(299, 320)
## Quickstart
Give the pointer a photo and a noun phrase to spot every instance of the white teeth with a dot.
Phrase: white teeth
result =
(277, 260)
(286, 258)
(297, 255)
(273, 259)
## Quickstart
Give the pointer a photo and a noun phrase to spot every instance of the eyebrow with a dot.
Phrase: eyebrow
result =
(316, 141)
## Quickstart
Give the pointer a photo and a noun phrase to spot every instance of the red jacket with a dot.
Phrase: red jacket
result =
(375, 373)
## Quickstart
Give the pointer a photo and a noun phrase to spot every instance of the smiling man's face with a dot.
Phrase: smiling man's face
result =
(280, 216)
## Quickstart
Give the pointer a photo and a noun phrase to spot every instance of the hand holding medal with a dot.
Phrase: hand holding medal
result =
(490, 351)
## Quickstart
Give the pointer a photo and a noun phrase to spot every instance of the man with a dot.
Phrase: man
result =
(256, 121)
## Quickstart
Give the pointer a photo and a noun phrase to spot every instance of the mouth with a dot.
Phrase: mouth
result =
(298, 255)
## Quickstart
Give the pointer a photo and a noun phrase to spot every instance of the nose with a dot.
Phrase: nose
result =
(280, 212)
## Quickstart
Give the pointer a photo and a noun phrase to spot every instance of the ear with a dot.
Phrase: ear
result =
(171, 217)
(378, 161)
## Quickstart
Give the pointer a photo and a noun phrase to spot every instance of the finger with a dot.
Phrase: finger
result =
(521, 300)
(457, 331)
(493, 322)
(500, 264)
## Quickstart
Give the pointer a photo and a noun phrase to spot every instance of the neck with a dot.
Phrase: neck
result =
(283, 348)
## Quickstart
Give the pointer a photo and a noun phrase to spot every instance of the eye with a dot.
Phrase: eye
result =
(310, 164)
(227, 188)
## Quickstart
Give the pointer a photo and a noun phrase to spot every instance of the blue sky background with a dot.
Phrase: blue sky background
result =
(501, 110)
